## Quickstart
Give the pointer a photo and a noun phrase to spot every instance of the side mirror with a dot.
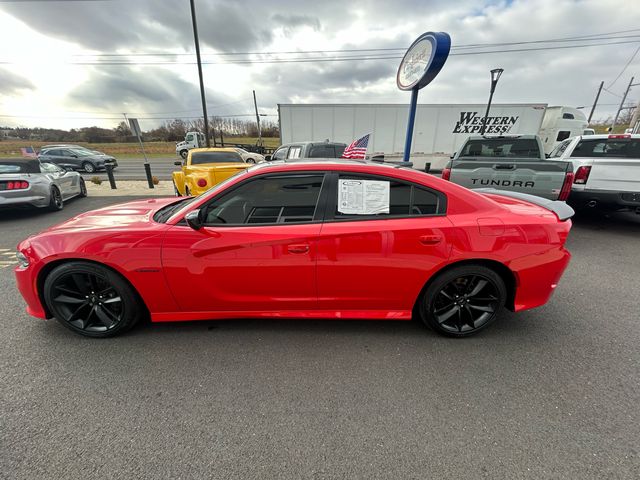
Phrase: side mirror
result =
(452, 155)
(267, 158)
(194, 219)
(177, 164)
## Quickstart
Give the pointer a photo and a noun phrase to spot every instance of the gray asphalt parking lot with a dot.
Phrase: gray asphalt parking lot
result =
(548, 393)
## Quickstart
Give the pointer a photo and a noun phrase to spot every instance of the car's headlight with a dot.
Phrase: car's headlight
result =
(22, 259)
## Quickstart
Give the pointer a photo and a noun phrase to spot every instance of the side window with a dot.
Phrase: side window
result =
(559, 150)
(189, 138)
(53, 153)
(562, 135)
(322, 151)
(279, 154)
(268, 200)
(405, 199)
(295, 151)
(47, 168)
(568, 116)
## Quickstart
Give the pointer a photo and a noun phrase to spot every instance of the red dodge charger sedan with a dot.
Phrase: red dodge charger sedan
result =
(329, 239)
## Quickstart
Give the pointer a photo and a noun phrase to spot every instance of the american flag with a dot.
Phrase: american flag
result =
(28, 152)
(358, 148)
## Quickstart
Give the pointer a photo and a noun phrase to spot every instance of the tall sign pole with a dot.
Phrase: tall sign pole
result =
(204, 102)
(419, 66)
(255, 104)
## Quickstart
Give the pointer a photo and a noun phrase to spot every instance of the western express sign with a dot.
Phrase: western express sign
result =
(471, 122)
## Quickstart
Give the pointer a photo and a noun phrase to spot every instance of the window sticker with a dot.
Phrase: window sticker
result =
(363, 197)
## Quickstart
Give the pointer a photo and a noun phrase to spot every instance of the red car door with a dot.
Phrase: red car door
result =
(257, 251)
(374, 263)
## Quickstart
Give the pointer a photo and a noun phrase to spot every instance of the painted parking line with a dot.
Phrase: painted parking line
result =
(7, 257)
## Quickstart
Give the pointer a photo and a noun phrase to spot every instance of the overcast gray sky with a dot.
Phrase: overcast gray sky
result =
(61, 62)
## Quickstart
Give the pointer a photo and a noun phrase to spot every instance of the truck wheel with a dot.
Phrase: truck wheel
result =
(184, 153)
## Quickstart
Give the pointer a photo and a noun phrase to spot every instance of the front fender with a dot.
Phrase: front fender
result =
(179, 181)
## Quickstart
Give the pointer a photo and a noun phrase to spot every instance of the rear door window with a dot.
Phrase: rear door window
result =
(608, 148)
(405, 199)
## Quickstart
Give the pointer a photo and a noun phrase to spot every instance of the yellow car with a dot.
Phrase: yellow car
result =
(206, 167)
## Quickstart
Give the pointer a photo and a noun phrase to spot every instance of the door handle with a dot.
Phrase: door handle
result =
(298, 248)
(430, 239)
(502, 166)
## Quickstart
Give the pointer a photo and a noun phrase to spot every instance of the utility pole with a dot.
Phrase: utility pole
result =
(624, 97)
(204, 102)
(595, 102)
(495, 76)
(255, 104)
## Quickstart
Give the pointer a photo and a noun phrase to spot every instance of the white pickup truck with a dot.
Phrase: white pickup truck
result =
(606, 170)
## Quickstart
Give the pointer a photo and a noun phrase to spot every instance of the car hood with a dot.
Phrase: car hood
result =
(125, 215)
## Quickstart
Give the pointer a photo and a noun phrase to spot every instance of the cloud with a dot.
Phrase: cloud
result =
(127, 89)
(12, 83)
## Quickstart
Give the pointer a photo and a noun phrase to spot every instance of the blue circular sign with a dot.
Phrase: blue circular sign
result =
(423, 61)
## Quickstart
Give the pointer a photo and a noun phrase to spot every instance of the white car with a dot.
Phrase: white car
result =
(606, 170)
(249, 157)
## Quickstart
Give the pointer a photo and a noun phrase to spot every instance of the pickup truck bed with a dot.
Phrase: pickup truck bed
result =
(514, 163)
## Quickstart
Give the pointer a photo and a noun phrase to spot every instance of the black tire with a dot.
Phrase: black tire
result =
(55, 200)
(83, 188)
(251, 160)
(184, 154)
(462, 301)
(187, 192)
(176, 191)
(88, 167)
(91, 300)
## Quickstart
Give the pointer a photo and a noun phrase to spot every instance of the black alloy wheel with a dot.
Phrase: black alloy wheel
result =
(463, 300)
(88, 167)
(83, 188)
(55, 199)
(91, 299)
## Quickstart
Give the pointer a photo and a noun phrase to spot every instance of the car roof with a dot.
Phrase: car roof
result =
(213, 149)
(31, 165)
(612, 136)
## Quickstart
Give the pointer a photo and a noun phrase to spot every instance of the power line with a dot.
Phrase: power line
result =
(337, 59)
(624, 68)
(602, 36)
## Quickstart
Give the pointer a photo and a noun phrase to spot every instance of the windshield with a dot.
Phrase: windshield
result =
(166, 212)
(501, 147)
(198, 158)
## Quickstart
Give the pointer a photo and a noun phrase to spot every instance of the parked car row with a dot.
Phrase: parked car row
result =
(587, 171)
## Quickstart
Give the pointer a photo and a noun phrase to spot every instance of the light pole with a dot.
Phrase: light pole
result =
(495, 76)
(204, 102)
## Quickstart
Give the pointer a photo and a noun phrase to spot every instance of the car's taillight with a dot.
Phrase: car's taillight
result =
(566, 187)
(582, 175)
(446, 173)
(620, 135)
(19, 185)
(202, 182)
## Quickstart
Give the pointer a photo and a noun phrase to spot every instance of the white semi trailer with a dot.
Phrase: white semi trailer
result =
(438, 133)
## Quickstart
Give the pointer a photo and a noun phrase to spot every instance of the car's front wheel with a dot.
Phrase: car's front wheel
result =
(55, 199)
(83, 188)
(184, 154)
(91, 299)
(463, 300)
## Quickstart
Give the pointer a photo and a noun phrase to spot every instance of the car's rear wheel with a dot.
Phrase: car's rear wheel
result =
(462, 301)
(91, 300)
(83, 188)
(88, 167)
(55, 199)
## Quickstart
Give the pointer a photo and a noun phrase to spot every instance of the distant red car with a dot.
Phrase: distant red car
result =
(330, 239)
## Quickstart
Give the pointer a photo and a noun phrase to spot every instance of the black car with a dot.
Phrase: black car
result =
(294, 151)
(76, 158)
